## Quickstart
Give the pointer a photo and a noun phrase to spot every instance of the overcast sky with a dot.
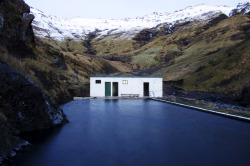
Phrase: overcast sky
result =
(117, 8)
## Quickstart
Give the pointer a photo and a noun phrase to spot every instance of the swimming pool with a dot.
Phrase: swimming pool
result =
(138, 132)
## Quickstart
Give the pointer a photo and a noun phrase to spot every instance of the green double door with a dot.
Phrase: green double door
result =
(107, 88)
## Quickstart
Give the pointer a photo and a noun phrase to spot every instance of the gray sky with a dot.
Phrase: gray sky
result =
(117, 8)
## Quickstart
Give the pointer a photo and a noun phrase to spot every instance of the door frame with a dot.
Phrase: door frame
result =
(107, 88)
(115, 89)
(146, 93)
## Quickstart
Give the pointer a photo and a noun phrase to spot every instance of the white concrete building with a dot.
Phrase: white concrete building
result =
(126, 86)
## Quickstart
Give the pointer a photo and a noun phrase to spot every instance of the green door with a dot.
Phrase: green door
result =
(107, 89)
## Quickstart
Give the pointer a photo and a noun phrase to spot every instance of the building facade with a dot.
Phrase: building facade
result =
(126, 86)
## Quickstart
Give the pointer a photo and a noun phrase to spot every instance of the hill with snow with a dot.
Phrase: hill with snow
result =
(77, 28)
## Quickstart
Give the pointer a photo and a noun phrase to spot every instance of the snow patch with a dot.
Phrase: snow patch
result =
(243, 8)
(77, 28)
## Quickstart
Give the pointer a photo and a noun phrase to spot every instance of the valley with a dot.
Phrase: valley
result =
(207, 51)
(202, 52)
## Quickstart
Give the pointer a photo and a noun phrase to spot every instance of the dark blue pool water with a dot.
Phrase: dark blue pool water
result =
(139, 132)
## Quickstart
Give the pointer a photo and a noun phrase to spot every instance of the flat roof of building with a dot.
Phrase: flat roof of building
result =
(129, 76)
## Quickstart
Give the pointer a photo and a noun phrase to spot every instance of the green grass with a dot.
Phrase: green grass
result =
(112, 46)
(76, 46)
(72, 46)
(222, 73)
(146, 58)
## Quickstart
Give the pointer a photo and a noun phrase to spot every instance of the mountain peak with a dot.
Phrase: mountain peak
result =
(77, 28)
(243, 8)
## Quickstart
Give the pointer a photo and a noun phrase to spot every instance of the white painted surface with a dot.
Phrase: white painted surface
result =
(134, 86)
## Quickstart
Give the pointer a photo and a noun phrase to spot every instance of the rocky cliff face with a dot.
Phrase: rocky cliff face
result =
(24, 107)
(16, 32)
(24, 103)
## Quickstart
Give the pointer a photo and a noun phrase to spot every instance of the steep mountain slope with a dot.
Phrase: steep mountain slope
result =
(211, 59)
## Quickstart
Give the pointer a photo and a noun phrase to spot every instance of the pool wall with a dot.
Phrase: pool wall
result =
(205, 110)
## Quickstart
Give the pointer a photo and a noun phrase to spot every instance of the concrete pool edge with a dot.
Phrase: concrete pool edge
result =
(108, 98)
(205, 110)
(174, 103)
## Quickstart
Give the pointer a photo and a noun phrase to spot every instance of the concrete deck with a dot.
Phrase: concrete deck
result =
(205, 110)
(104, 98)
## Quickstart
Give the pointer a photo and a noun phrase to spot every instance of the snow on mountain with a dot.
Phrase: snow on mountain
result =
(242, 8)
(77, 28)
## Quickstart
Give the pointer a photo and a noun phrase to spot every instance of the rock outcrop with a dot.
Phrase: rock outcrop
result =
(16, 33)
(24, 107)
(143, 37)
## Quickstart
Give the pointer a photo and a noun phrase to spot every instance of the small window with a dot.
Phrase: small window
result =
(124, 81)
(98, 81)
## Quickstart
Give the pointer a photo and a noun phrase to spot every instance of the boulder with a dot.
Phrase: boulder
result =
(24, 107)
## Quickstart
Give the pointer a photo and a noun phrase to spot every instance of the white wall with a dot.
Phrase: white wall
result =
(134, 86)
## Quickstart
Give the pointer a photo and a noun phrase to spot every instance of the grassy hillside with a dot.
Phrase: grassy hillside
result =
(59, 72)
(207, 56)
(215, 60)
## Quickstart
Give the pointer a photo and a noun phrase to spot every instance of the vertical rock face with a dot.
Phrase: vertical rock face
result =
(24, 104)
(23, 107)
(16, 32)
(25, 29)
